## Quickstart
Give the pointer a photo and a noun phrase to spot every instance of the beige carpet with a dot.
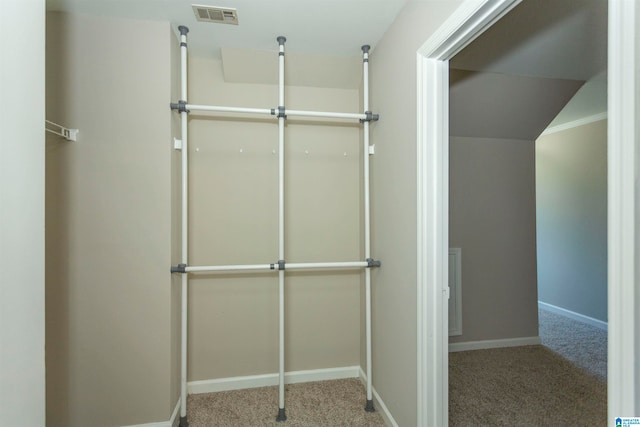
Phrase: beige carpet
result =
(518, 386)
(325, 403)
(523, 386)
(582, 344)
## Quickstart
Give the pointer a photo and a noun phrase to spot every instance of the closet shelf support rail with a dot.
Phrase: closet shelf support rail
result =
(182, 106)
(183, 268)
(66, 133)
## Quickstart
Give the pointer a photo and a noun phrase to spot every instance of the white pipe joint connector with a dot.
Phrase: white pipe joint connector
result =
(369, 117)
(183, 32)
(373, 263)
(279, 112)
(181, 106)
(280, 265)
(180, 268)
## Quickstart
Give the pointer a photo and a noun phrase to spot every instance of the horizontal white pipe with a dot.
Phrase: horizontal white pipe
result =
(193, 107)
(301, 113)
(288, 266)
(325, 114)
(318, 265)
(214, 268)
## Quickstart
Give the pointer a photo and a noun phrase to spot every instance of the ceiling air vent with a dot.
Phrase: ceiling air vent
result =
(218, 15)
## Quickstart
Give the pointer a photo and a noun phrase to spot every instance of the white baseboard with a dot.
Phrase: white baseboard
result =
(175, 416)
(253, 381)
(173, 421)
(381, 408)
(573, 315)
(486, 344)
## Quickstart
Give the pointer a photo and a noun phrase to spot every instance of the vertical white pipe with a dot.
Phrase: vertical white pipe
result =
(281, 415)
(185, 224)
(367, 225)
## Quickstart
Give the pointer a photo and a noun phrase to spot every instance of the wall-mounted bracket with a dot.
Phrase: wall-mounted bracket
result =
(177, 144)
(68, 134)
(372, 149)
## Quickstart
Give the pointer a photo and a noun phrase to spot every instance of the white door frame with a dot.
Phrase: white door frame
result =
(623, 243)
(465, 24)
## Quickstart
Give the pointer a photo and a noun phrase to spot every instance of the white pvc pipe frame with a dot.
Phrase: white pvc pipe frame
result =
(184, 108)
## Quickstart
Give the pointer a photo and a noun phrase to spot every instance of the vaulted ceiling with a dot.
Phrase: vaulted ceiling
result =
(513, 80)
(492, 105)
(559, 39)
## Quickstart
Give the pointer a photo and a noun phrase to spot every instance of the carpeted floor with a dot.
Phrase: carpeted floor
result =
(562, 384)
(584, 345)
(325, 403)
(522, 386)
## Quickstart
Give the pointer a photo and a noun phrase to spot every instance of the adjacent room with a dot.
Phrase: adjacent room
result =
(528, 203)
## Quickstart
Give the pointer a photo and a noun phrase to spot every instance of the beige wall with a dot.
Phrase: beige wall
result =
(233, 220)
(22, 223)
(108, 217)
(571, 190)
(393, 185)
(492, 218)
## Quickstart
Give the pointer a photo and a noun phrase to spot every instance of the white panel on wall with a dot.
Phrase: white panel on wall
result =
(455, 291)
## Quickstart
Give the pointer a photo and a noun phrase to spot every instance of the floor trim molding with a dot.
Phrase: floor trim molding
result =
(378, 404)
(172, 422)
(486, 344)
(573, 315)
(265, 380)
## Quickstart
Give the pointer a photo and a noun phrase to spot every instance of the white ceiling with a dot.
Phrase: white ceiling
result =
(325, 27)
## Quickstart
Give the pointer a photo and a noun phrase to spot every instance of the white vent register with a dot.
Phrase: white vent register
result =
(218, 15)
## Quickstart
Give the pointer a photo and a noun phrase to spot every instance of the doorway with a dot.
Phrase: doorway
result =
(432, 71)
(505, 88)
